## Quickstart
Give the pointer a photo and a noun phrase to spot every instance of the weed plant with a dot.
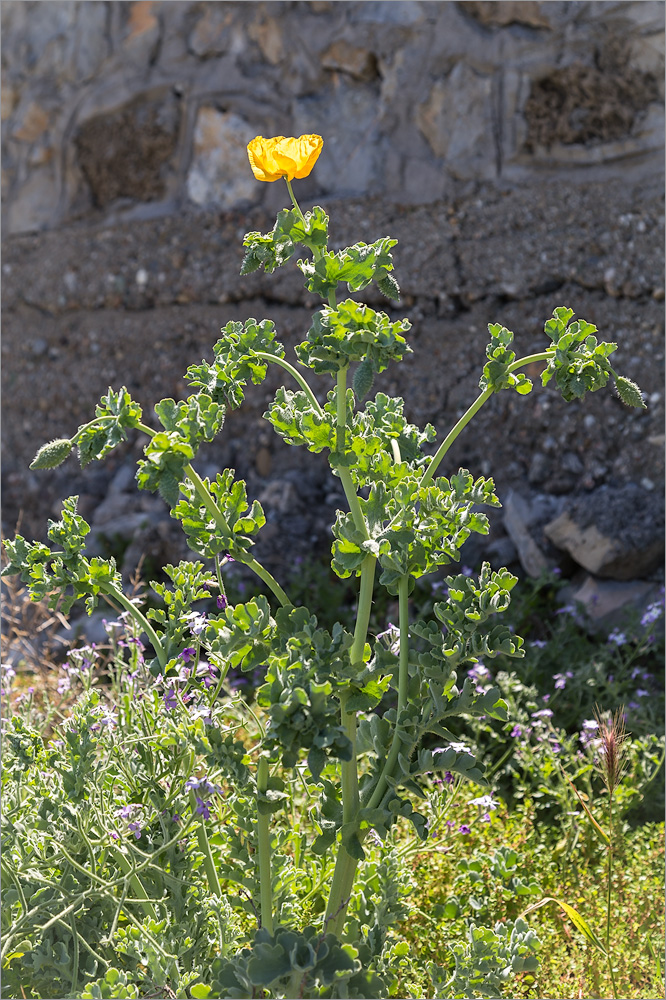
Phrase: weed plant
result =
(169, 831)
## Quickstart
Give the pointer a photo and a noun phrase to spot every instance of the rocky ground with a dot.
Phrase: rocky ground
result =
(136, 303)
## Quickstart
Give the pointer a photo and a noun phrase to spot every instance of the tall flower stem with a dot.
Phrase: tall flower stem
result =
(204, 847)
(403, 682)
(293, 199)
(209, 503)
(346, 864)
(471, 412)
(111, 593)
(264, 848)
(609, 956)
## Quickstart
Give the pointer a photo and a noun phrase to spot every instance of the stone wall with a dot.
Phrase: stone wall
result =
(515, 150)
(113, 109)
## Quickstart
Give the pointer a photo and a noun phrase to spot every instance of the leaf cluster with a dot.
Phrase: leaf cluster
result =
(115, 414)
(291, 230)
(412, 529)
(305, 963)
(236, 361)
(63, 574)
(357, 266)
(580, 364)
(496, 374)
(187, 425)
(351, 332)
(228, 526)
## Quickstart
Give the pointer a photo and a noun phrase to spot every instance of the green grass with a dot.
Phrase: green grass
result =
(569, 966)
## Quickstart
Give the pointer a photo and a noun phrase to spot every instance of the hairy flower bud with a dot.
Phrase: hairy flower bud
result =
(52, 454)
(629, 392)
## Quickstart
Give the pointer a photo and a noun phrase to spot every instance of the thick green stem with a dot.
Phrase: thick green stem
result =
(293, 199)
(264, 850)
(204, 847)
(364, 608)
(343, 471)
(472, 411)
(341, 410)
(209, 503)
(112, 592)
(403, 681)
(296, 374)
(453, 434)
(134, 880)
(345, 865)
(269, 580)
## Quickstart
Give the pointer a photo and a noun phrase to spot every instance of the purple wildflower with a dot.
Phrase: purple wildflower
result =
(221, 602)
(464, 828)
(486, 802)
(651, 614)
(539, 643)
(516, 731)
(448, 778)
(188, 653)
(543, 713)
(208, 672)
(203, 808)
(561, 680)
(136, 829)
(203, 784)
(170, 700)
(642, 693)
(618, 638)
(198, 622)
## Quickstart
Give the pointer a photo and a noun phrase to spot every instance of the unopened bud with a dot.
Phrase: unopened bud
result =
(52, 454)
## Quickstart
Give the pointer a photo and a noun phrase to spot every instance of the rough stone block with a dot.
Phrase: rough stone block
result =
(613, 533)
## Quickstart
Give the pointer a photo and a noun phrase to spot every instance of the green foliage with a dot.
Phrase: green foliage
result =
(487, 961)
(309, 963)
(357, 266)
(146, 852)
(62, 576)
(579, 363)
(278, 246)
(496, 374)
(186, 426)
(227, 524)
(352, 332)
(411, 529)
(236, 361)
(115, 414)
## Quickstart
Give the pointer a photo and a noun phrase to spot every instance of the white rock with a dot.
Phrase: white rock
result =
(220, 174)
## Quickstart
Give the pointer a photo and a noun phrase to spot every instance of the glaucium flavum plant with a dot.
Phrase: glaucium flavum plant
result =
(322, 690)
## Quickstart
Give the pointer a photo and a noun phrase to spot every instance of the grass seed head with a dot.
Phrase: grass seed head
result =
(611, 747)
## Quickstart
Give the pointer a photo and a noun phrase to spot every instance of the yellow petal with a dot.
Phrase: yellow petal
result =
(283, 156)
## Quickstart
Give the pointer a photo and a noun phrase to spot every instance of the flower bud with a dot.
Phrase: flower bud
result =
(52, 454)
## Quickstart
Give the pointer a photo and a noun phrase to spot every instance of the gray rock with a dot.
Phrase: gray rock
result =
(615, 533)
(517, 518)
(219, 174)
(603, 599)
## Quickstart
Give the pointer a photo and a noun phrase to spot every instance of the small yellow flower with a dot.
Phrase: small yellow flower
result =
(282, 156)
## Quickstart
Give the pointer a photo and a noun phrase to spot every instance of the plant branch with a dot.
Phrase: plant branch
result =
(264, 850)
(472, 411)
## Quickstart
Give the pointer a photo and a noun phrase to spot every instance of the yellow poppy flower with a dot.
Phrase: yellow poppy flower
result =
(282, 156)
